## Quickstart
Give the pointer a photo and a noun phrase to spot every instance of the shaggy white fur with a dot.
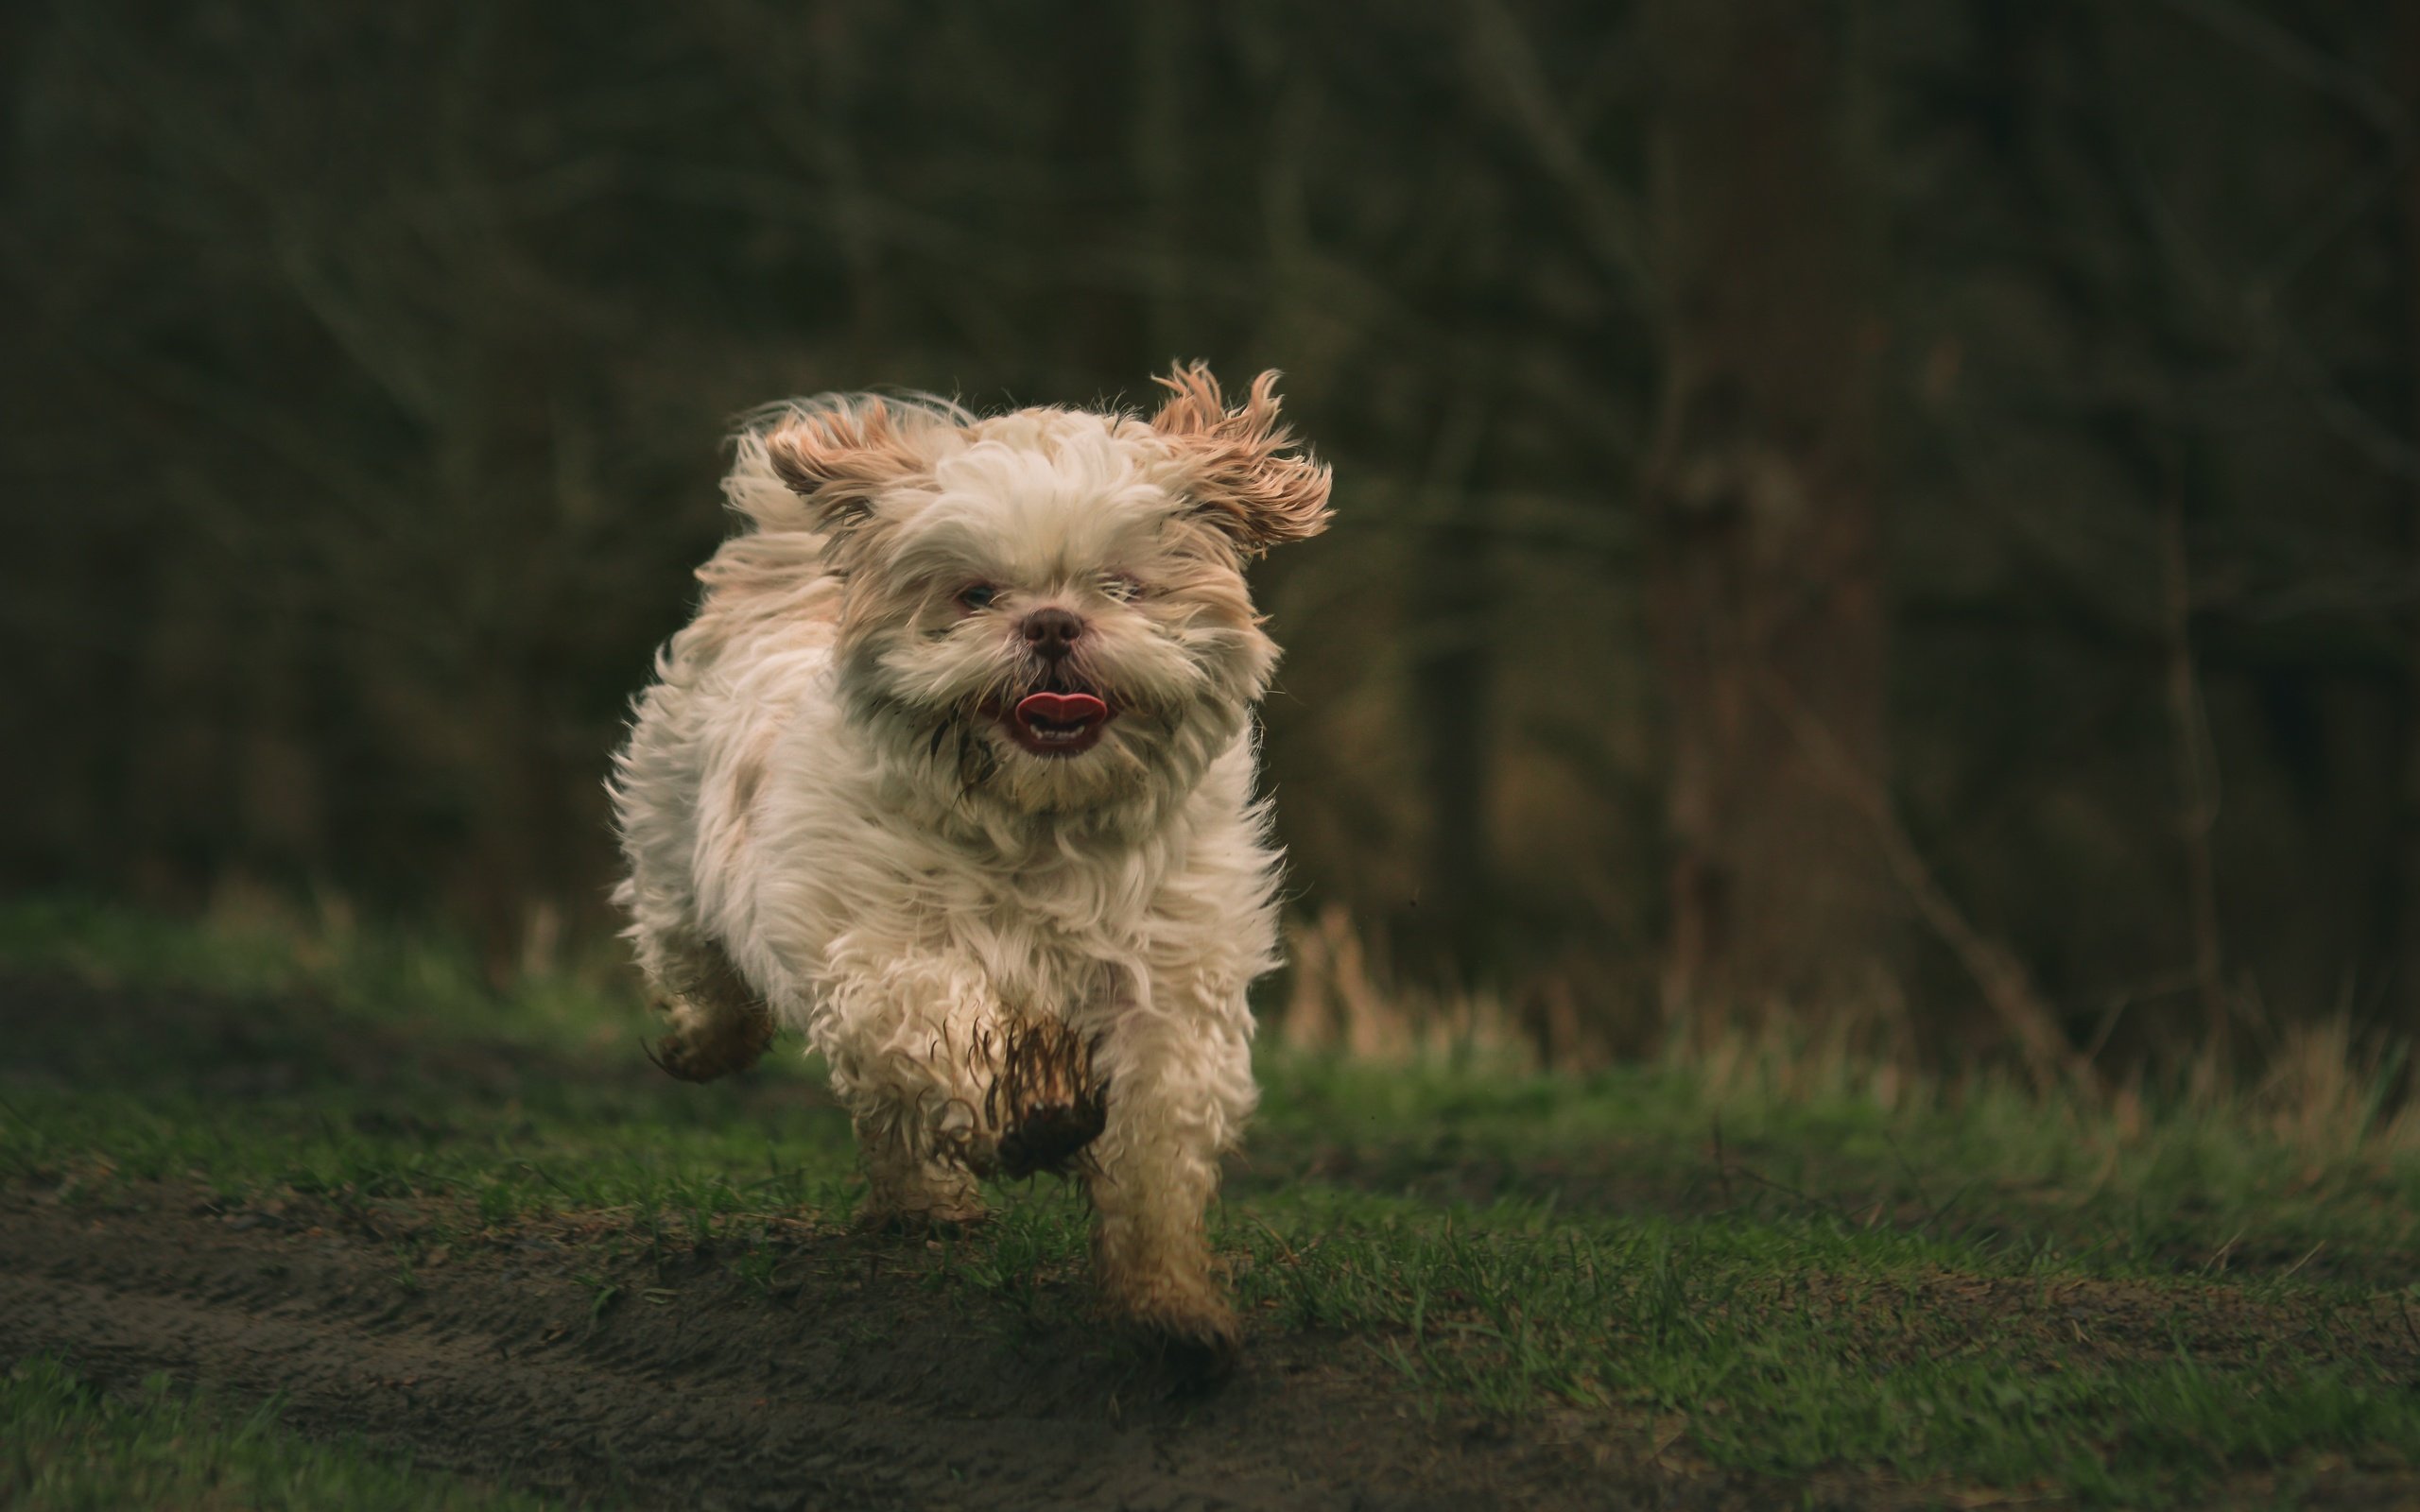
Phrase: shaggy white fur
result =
(952, 774)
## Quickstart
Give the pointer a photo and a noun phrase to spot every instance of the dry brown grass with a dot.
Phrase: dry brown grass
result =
(2321, 1086)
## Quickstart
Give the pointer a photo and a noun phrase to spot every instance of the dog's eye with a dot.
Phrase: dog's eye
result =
(978, 595)
(1121, 586)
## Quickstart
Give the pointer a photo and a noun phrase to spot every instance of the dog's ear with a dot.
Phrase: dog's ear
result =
(1246, 483)
(838, 459)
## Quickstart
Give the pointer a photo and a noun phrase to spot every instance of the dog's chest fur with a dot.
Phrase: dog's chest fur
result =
(1063, 923)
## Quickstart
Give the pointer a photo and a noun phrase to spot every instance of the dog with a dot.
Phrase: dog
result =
(952, 774)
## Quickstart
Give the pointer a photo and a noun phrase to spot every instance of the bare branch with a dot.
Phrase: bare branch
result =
(2197, 772)
(1506, 65)
(2049, 1060)
(2299, 60)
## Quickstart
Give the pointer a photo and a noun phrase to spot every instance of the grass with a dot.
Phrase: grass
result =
(2192, 1186)
(1791, 1347)
(67, 1447)
(1772, 1270)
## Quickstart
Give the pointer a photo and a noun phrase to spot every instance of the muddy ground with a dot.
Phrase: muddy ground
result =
(571, 1356)
(561, 1356)
(851, 1381)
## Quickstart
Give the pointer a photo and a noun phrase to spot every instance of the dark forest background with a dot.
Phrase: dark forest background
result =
(1906, 508)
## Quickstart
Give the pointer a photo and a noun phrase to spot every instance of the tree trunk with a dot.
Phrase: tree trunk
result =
(2403, 906)
(1765, 595)
(1453, 696)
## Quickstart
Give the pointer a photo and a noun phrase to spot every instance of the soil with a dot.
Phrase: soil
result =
(578, 1358)
(849, 1383)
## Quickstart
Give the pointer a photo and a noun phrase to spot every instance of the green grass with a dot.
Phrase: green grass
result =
(67, 1447)
(1951, 1287)
(2184, 1184)
(1793, 1346)
(356, 973)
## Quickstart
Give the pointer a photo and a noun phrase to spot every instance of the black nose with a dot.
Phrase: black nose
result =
(1052, 632)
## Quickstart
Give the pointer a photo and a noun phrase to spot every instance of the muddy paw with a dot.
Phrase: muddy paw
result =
(1045, 1097)
(703, 1052)
(1181, 1314)
(1199, 1344)
(1049, 1138)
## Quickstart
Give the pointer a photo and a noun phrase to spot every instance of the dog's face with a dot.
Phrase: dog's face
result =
(1045, 610)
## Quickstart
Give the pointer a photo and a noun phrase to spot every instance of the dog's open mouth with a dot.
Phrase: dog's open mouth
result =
(1057, 724)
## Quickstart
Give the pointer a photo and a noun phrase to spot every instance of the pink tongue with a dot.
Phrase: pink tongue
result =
(1061, 707)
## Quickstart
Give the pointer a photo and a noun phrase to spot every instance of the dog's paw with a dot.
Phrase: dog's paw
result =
(1049, 1138)
(1198, 1338)
(1044, 1099)
(699, 1050)
(1181, 1312)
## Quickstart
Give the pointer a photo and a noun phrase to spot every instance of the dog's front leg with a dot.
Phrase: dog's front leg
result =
(1179, 1090)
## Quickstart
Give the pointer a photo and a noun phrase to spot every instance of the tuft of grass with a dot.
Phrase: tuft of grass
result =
(255, 946)
(65, 1447)
(2181, 1183)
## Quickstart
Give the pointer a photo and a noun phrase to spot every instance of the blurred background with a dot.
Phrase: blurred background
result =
(1898, 515)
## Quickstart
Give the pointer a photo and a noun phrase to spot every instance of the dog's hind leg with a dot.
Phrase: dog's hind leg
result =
(717, 1025)
(908, 1186)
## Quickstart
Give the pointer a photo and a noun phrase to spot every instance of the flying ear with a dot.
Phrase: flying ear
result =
(1245, 480)
(838, 457)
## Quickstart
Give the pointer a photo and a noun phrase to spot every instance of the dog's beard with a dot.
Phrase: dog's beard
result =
(993, 753)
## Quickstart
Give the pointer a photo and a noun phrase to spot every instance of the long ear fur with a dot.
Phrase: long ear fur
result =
(1246, 484)
(839, 456)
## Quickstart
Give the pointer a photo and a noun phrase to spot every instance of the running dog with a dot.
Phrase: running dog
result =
(953, 775)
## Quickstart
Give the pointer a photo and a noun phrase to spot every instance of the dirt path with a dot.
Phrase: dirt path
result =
(583, 1358)
(851, 1383)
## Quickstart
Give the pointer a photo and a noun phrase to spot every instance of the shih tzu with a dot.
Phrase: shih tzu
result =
(952, 774)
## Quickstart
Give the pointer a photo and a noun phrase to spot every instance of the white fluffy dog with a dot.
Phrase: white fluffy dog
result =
(953, 773)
